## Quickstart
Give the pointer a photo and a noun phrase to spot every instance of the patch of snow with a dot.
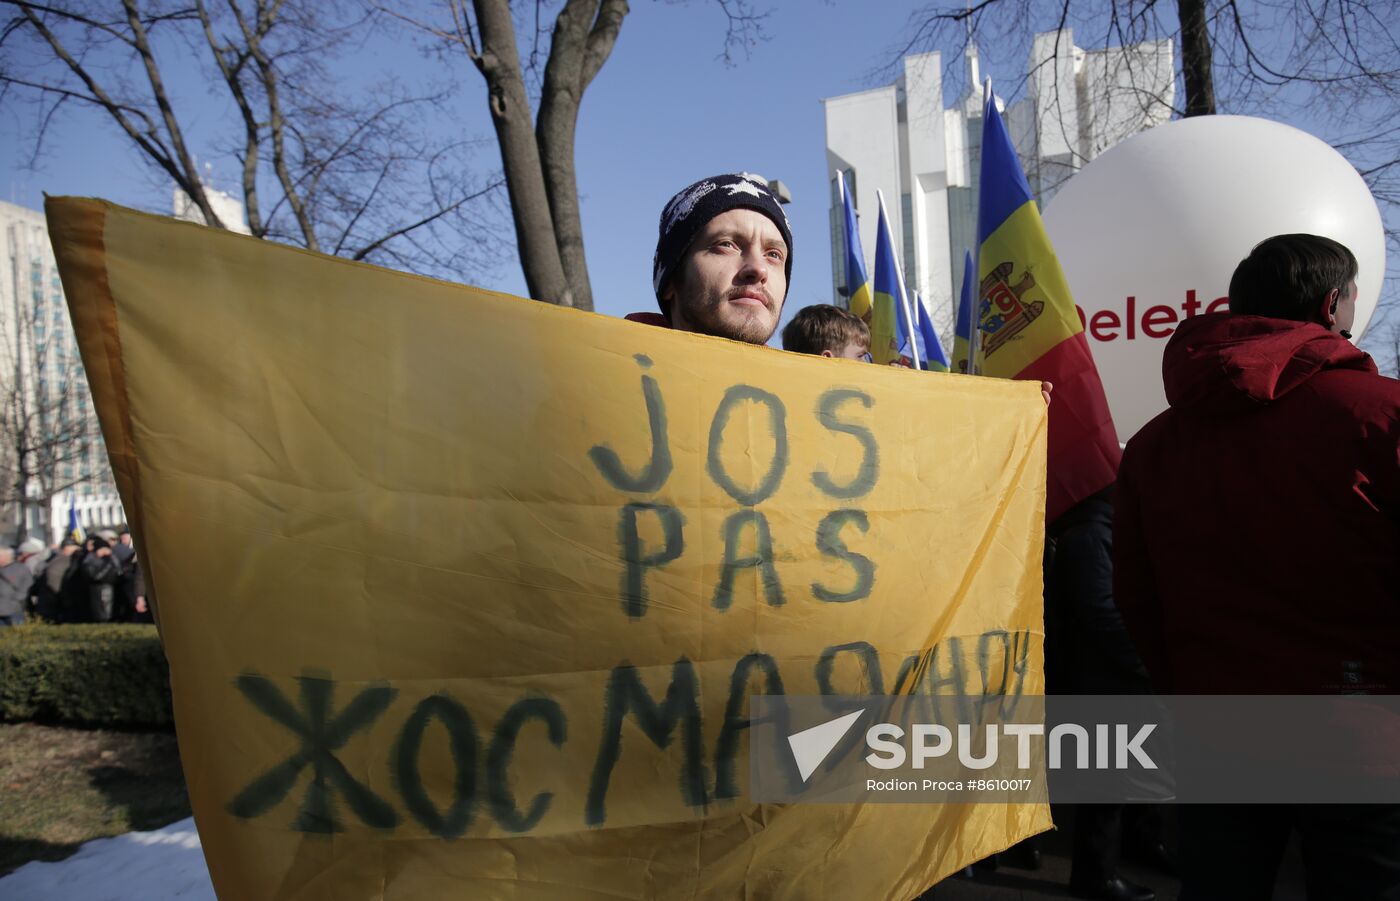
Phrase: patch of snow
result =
(151, 866)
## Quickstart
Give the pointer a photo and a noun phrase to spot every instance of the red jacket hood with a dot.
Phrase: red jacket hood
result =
(1226, 363)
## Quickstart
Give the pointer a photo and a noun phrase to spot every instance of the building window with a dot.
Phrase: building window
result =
(838, 234)
(838, 256)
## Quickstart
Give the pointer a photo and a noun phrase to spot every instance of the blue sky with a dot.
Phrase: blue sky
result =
(663, 112)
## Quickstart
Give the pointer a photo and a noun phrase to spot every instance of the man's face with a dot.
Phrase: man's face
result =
(732, 281)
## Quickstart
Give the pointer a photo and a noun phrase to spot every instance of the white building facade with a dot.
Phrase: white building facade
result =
(51, 440)
(228, 208)
(924, 158)
(51, 450)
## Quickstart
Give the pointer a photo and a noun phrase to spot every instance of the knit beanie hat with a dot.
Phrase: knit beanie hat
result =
(692, 209)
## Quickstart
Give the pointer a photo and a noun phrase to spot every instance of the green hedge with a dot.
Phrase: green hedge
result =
(107, 675)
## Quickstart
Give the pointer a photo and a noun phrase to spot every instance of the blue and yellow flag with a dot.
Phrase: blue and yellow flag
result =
(934, 357)
(1030, 329)
(75, 529)
(924, 341)
(963, 336)
(857, 282)
(885, 305)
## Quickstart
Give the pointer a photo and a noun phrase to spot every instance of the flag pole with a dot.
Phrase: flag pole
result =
(974, 340)
(909, 325)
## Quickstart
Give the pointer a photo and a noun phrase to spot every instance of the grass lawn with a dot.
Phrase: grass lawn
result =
(60, 787)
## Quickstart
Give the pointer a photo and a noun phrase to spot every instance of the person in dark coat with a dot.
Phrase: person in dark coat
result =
(15, 579)
(1088, 652)
(32, 553)
(103, 573)
(141, 607)
(58, 601)
(125, 551)
(1257, 547)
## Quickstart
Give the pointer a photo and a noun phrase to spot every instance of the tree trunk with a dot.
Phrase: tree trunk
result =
(499, 62)
(1196, 58)
(584, 34)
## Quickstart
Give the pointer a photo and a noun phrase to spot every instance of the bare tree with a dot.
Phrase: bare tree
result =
(1338, 59)
(49, 440)
(1383, 341)
(538, 150)
(343, 172)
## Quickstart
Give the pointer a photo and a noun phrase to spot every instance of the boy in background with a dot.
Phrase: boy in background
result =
(828, 331)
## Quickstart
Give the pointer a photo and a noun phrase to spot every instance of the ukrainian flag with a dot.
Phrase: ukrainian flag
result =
(857, 282)
(963, 335)
(1029, 327)
(884, 315)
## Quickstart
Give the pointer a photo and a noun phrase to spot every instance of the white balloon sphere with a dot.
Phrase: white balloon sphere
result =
(1150, 232)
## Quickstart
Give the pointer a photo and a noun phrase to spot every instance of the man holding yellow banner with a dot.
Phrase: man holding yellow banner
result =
(493, 627)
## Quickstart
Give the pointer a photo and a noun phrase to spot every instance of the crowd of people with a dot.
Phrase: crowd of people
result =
(97, 580)
(1264, 503)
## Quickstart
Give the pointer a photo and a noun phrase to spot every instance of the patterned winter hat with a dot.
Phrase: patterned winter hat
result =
(692, 209)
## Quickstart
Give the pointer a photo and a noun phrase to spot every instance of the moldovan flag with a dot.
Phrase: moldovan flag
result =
(886, 305)
(1030, 329)
(963, 335)
(857, 282)
(445, 619)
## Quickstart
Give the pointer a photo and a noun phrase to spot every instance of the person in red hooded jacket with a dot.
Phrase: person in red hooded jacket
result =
(1257, 546)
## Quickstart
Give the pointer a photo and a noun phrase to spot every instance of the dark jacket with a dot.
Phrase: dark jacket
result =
(103, 573)
(1087, 648)
(15, 579)
(65, 576)
(1257, 542)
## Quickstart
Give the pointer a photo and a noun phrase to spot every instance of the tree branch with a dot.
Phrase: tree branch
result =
(194, 186)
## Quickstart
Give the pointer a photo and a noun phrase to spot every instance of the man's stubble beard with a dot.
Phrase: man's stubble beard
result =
(708, 321)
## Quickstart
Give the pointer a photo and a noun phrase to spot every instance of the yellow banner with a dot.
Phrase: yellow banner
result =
(464, 595)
